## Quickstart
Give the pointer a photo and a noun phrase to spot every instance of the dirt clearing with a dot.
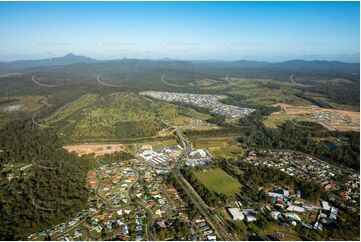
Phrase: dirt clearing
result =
(331, 119)
(96, 149)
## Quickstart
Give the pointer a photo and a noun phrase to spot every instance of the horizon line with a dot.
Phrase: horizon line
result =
(181, 59)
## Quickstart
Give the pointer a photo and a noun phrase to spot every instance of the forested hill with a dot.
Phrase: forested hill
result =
(257, 69)
(48, 192)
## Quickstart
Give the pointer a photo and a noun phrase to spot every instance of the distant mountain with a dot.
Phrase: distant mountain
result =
(300, 65)
(248, 63)
(258, 69)
(58, 61)
(317, 65)
(116, 66)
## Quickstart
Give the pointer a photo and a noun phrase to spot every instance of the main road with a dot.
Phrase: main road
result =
(197, 200)
(214, 221)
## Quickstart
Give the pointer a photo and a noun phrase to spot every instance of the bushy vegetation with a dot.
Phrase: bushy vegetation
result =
(117, 156)
(122, 115)
(104, 115)
(173, 180)
(210, 196)
(50, 191)
(300, 137)
(70, 108)
(344, 93)
(313, 101)
(254, 177)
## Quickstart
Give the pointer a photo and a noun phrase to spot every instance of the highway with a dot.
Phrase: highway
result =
(197, 200)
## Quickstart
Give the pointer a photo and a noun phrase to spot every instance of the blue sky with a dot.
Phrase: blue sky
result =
(272, 31)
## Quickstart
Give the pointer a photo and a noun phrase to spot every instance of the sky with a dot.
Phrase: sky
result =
(267, 31)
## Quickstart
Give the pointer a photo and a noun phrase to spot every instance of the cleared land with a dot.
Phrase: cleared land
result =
(12, 108)
(219, 147)
(331, 119)
(218, 181)
(26, 104)
(96, 149)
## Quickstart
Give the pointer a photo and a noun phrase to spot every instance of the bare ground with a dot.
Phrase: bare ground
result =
(96, 149)
(307, 111)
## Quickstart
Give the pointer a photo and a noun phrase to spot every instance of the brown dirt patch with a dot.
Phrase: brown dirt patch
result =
(96, 149)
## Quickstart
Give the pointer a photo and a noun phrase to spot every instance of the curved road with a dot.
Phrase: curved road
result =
(299, 84)
(149, 213)
(43, 85)
(170, 84)
(108, 207)
(213, 220)
(103, 83)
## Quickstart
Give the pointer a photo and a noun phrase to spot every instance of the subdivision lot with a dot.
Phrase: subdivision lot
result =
(331, 119)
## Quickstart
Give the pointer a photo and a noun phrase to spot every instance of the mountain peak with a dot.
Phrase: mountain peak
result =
(70, 55)
(73, 57)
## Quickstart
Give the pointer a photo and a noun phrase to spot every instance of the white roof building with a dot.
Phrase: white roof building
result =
(200, 220)
(276, 215)
(294, 208)
(279, 193)
(293, 217)
(250, 215)
(325, 206)
(148, 154)
(236, 213)
(318, 226)
(198, 153)
(211, 238)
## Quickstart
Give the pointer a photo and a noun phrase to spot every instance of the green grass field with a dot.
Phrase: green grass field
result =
(218, 181)
(219, 147)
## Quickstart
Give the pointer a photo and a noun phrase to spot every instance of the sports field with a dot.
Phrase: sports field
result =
(218, 181)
